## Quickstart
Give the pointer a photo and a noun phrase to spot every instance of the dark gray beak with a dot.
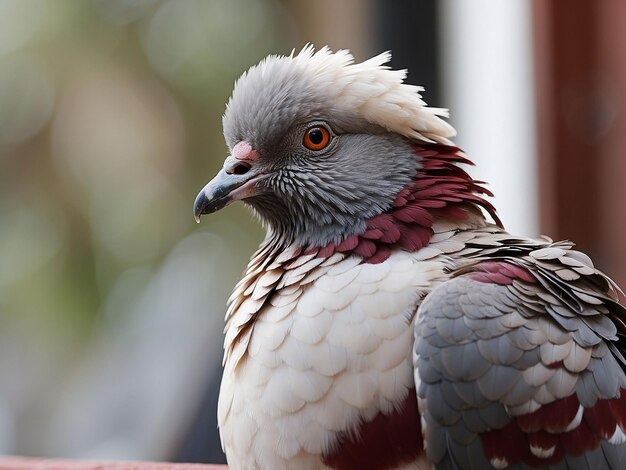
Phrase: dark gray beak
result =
(236, 181)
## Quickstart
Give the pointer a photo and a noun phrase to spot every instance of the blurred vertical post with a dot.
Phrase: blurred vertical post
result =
(488, 85)
(409, 30)
(581, 75)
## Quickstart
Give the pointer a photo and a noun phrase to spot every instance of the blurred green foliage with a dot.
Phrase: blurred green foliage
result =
(110, 122)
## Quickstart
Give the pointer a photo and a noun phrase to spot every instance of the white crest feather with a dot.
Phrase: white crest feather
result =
(372, 90)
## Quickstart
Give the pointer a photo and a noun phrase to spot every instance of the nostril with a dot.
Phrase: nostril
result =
(240, 168)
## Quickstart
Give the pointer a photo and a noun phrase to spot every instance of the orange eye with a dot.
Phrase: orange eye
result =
(316, 138)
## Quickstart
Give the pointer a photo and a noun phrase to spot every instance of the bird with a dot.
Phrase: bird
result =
(387, 319)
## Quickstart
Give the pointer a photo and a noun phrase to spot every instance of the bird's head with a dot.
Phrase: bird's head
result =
(319, 145)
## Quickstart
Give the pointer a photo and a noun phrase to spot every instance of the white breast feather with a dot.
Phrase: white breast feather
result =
(342, 354)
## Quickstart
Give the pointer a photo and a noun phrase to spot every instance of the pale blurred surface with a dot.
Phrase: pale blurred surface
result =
(21, 463)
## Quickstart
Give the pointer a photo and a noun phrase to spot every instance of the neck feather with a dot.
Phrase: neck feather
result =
(440, 190)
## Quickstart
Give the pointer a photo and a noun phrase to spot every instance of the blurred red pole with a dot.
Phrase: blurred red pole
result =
(580, 73)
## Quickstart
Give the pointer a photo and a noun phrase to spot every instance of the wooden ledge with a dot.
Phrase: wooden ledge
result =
(27, 463)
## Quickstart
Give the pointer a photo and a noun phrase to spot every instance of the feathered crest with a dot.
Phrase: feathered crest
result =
(370, 89)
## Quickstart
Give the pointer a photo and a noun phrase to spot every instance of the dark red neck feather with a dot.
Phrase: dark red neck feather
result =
(441, 189)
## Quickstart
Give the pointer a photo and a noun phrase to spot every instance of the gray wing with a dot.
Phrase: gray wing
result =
(519, 364)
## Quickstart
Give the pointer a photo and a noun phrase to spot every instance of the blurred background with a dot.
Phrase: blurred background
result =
(112, 298)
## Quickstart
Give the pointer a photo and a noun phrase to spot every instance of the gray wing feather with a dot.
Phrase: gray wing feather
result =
(479, 358)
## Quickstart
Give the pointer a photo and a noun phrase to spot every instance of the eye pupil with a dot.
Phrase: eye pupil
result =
(316, 136)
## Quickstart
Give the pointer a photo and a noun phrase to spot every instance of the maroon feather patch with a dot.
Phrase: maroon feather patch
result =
(387, 441)
(543, 437)
(500, 272)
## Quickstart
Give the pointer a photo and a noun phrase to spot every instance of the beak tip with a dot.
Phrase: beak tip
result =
(199, 206)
